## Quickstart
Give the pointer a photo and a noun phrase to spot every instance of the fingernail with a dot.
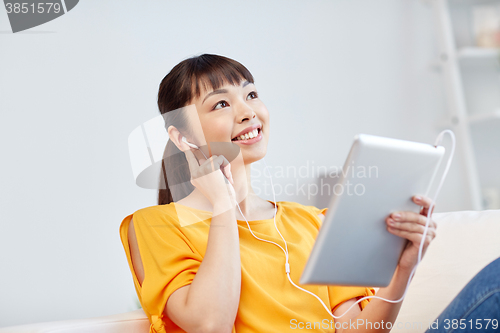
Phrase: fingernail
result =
(418, 198)
(396, 216)
(391, 221)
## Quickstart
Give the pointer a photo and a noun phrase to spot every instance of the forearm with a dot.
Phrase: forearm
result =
(214, 294)
(379, 311)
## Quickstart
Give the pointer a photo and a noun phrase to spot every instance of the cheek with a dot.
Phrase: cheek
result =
(218, 131)
(264, 116)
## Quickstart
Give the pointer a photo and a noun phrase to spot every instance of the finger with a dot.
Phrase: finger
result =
(413, 237)
(225, 167)
(425, 211)
(192, 160)
(210, 165)
(227, 171)
(407, 216)
(423, 201)
(411, 227)
(214, 163)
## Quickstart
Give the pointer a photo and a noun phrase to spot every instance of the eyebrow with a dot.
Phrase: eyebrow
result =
(222, 91)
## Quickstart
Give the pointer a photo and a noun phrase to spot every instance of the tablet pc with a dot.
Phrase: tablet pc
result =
(380, 176)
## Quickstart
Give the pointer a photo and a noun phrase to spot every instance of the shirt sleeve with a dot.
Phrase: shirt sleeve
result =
(340, 294)
(169, 259)
(316, 211)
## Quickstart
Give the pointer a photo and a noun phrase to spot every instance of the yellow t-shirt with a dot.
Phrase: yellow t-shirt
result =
(172, 240)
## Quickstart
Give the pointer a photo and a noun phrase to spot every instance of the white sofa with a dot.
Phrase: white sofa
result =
(466, 242)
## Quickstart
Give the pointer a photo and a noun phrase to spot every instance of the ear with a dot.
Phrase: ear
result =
(176, 137)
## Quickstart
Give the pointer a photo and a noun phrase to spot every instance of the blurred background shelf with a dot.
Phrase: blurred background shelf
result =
(469, 61)
(481, 118)
(476, 56)
(478, 52)
(473, 2)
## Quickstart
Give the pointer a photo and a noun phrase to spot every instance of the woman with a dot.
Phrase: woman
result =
(196, 265)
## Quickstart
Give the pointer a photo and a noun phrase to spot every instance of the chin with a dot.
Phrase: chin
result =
(249, 158)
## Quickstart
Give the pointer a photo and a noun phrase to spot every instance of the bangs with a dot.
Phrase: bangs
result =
(189, 78)
(211, 74)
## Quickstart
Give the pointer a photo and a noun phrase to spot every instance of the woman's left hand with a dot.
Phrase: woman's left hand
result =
(411, 226)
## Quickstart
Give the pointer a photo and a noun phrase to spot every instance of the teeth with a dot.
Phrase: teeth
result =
(249, 135)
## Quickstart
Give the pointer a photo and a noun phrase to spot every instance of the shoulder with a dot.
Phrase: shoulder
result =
(154, 210)
(311, 212)
(152, 215)
(300, 207)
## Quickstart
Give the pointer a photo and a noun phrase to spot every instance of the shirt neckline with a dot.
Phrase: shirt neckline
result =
(278, 212)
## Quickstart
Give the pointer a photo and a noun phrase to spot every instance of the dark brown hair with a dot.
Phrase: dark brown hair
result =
(177, 90)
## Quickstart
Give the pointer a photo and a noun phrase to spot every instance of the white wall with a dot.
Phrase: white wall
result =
(73, 89)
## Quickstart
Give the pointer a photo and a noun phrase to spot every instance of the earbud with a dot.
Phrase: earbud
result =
(189, 144)
(193, 146)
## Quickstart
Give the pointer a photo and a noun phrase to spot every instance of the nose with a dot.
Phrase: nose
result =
(244, 112)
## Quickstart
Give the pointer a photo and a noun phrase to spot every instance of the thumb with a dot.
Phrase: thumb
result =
(225, 167)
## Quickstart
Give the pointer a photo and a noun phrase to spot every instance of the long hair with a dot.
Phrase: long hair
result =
(177, 90)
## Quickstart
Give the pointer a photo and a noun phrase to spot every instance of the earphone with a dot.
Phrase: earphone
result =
(191, 145)
(429, 212)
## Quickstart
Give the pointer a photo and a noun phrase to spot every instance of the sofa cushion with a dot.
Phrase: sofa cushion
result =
(465, 243)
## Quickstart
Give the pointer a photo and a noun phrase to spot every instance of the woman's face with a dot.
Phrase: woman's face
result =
(232, 110)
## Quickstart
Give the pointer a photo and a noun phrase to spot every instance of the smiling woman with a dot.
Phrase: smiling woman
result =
(196, 262)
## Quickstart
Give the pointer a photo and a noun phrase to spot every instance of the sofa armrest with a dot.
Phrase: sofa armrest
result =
(130, 322)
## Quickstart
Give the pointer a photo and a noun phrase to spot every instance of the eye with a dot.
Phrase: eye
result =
(222, 103)
(253, 94)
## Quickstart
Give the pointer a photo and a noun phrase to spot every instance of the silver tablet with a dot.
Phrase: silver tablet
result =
(380, 176)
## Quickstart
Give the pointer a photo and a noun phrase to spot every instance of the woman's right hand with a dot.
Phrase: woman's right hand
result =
(211, 178)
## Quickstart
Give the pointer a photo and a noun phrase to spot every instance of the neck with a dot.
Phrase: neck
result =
(245, 195)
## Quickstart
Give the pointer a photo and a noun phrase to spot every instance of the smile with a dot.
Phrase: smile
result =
(249, 137)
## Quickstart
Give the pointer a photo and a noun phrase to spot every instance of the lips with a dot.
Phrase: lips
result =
(249, 141)
(248, 129)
